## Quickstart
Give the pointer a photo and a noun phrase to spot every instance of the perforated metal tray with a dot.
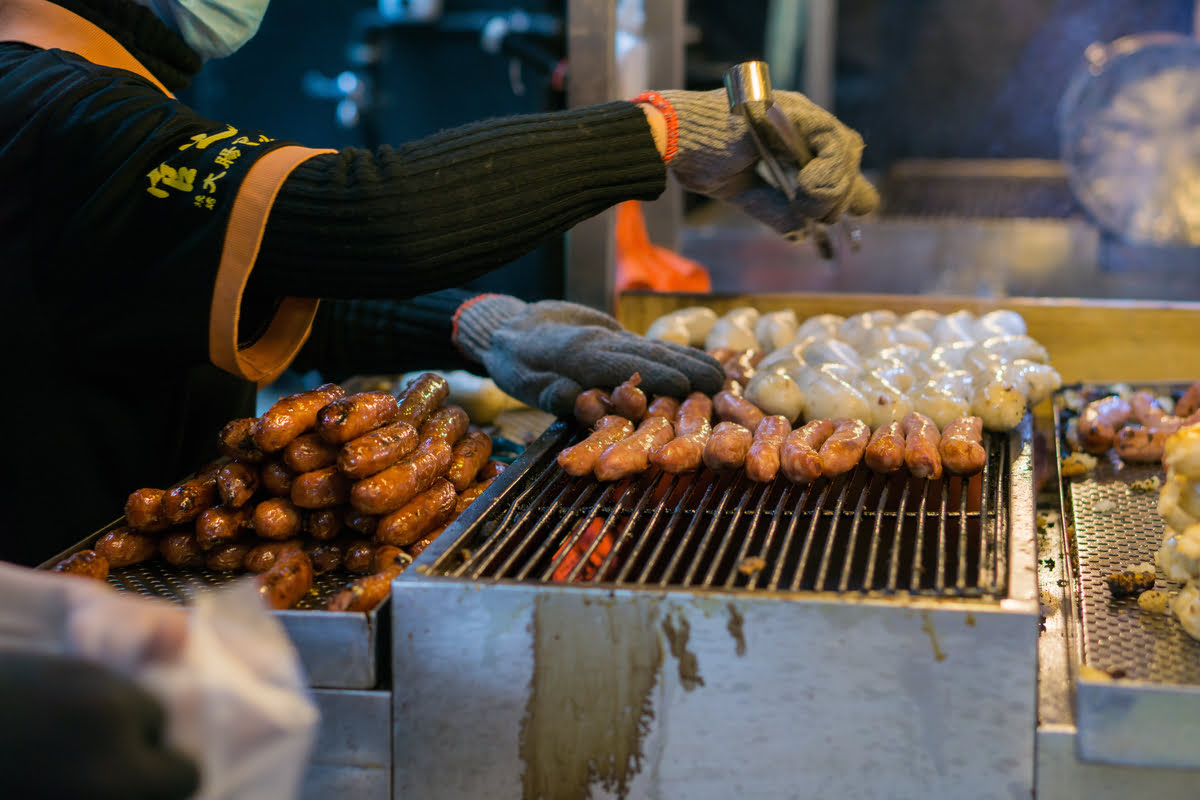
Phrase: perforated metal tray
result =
(1137, 672)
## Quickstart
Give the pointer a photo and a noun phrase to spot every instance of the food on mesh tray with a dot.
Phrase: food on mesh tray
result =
(374, 452)
(421, 397)
(351, 417)
(85, 563)
(1154, 601)
(290, 416)
(288, 579)
(428, 510)
(1179, 506)
(124, 546)
(1131, 580)
(1076, 464)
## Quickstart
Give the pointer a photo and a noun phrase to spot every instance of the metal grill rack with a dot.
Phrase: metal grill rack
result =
(157, 579)
(858, 532)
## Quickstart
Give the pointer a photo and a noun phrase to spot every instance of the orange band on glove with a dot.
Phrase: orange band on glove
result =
(668, 111)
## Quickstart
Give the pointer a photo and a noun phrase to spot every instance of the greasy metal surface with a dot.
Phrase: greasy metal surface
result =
(1116, 526)
(859, 532)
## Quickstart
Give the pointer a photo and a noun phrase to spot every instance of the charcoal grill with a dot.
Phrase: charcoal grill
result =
(703, 635)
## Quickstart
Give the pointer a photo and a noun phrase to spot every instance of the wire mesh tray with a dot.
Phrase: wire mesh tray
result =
(339, 649)
(1137, 671)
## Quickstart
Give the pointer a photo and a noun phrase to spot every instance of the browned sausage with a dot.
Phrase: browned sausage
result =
(388, 556)
(222, 524)
(261, 557)
(376, 451)
(144, 510)
(731, 408)
(1190, 402)
(693, 426)
(844, 448)
(628, 400)
(961, 447)
(228, 557)
(290, 416)
(276, 478)
(84, 563)
(465, 498)
(1099, 422)
(309, 451)
(450, 423)
(591, 405)
(360, 522)
(237, 483)
(800, 455)
(1146, 409)
(417, 548)
(326, 556)
(359, 557)
(727, 447)
(124, 546)
(742, 365)
(423, 395)
(351, 417)
(321, 488)
(663, 406)
(324, 524)
(419, 516)
(1140, 444)
(288, 579)
(631, 455)
(762, 461)
(236, 441)
(367, 592)
(885, 451)
(180, 549)
(277, 519)
(580, 458)
(390, 489)
(921, 439)
(491, 470)
(184, 503)
(467, 458)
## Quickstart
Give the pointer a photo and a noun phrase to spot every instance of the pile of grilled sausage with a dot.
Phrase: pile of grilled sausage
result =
(320, 481)
(1135, 426)
(628, 433)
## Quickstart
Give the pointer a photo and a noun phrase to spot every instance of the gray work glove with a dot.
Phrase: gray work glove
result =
(546, 353)
(717, 156)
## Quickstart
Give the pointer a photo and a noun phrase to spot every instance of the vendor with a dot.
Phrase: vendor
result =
(161, 266)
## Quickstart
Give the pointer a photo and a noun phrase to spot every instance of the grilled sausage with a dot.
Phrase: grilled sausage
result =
(449, 423)
(628, 400)
(1190, 402)
(308, 452)
(236, 441)
(351, 417)
(1142, 444)
(228, 557)
(288, 579)
(693, 426)
(222, 524)
(321, 488)
(417, 548)
(277, 519)
(359, 557)
(237, 483)
(1099, 422)
(324, 524)
(580, 458)
(732, 408)
(390, 489)
(800, 456)
(742, 365)
(727, 446)
(844, 448)
(663, 406)
(423, 395)
(374, 452)
(631, 455)
(491, 469)
(1146, 410)
(276, 478)
(465, 498)
(388, 556)
(419, 516)
(290, 416)
(921, 440)
(84, 563)
(124, 546)
(326, 556)
(180, 549)
(591, 405)
(362, 523)
(762, 461)
(144, 510)
(885, 451)
(961, 447)
(467, 458)
(184, 503)
(261, 557)
(367, 592)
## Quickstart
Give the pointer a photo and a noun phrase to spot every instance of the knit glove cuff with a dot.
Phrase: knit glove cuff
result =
(477, 319)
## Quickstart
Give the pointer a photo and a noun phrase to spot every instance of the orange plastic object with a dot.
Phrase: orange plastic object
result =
(641, 264)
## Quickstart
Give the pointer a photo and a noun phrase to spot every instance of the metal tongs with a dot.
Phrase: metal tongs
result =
(750, 82)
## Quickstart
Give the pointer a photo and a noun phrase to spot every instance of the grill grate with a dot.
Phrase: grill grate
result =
(860, 532)
(157, 579)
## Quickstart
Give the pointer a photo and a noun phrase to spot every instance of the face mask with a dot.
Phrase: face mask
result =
(213, 28)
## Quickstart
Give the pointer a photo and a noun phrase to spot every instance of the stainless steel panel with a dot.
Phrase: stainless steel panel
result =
(352, 755)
